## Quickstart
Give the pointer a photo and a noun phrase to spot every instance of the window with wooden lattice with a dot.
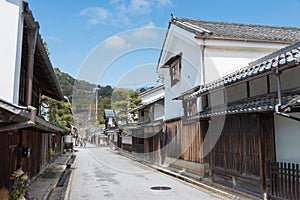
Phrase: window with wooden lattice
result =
(190, 107)
(175, 70)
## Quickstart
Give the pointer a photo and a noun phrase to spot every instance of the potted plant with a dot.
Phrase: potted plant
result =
(20, 189)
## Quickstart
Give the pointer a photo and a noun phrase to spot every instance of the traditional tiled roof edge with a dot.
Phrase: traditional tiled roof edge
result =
(22, 114)
(279, 59)
(147, 104)
(151, 90)
(238, 30)
(261, 104)
(57, 92)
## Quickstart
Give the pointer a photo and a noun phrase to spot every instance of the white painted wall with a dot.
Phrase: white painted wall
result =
(180, 41)
(127, 140)
(290, 78)
(159, 110)
(152, 94)
(11, 47)
(220, 61)
(220, 58)
(258, 86)
(236, 92)
(287, 137)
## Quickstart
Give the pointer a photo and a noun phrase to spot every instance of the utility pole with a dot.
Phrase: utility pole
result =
(96, 113)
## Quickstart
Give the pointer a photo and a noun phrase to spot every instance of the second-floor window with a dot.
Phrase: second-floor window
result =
(175, 70)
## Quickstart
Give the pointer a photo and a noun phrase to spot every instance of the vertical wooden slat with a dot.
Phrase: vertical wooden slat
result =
(273, 178)
(293, 182)
(280, 178)
(285, 181)
(289, 180)
(297, 182)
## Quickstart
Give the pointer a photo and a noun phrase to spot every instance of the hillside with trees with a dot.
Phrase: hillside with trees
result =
(82, 96)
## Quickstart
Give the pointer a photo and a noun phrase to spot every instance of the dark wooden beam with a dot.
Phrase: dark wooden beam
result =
(32, 36)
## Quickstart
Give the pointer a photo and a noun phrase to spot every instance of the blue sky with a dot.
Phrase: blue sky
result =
(75, 30)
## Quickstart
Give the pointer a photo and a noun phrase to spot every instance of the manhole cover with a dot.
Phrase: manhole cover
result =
(160, 188)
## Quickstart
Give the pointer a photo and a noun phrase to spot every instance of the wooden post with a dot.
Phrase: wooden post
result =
(32, 37)
(262, 166)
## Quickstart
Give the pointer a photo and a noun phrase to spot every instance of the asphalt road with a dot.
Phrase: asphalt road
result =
(100, 173)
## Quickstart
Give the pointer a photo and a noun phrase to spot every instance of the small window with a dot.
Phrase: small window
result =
(175, 71)
(190, 107)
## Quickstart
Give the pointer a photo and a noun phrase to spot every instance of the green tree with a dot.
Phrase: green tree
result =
(134, 101)
(124, 100)
(58, 113)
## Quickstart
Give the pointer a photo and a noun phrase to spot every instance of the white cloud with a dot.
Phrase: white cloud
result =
(123, 12)
(97, 15)
(149, 25)
(115, 42)
(140, 7)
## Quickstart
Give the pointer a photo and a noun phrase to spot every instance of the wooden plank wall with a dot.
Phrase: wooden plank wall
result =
(173, 146)
(191, 143)
(246, 143)
(44, 148)
(8, 156)
(184, 141)
(39, 144)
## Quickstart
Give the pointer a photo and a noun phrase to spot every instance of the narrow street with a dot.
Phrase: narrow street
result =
(100, 173)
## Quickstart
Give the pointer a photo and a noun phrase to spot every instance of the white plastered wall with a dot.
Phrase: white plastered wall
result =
(11, 49)
(287, 137)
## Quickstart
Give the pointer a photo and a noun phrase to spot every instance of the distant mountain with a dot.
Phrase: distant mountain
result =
(66, 82)
(82, 96)
(71, 86)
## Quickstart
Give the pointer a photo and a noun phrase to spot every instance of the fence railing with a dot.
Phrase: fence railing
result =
(283, 180)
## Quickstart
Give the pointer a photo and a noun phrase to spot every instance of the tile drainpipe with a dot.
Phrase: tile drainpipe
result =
(277, 106)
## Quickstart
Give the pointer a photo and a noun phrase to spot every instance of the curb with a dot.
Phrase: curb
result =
(68, 190)
(47, 193)
(213, 189)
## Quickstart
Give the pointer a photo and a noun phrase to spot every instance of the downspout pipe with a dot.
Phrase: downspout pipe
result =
(21, 125)
(277, 73)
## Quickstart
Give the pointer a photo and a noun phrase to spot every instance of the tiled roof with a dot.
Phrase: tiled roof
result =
(261, 104)
(13, 114)
(42, 66)
(239, 31)
(279, 59)
(147, 104)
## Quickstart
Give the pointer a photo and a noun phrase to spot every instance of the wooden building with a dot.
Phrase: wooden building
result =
(250, 120)
(195, 53)
(26, 138)
(111, 127)
(148, 136)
